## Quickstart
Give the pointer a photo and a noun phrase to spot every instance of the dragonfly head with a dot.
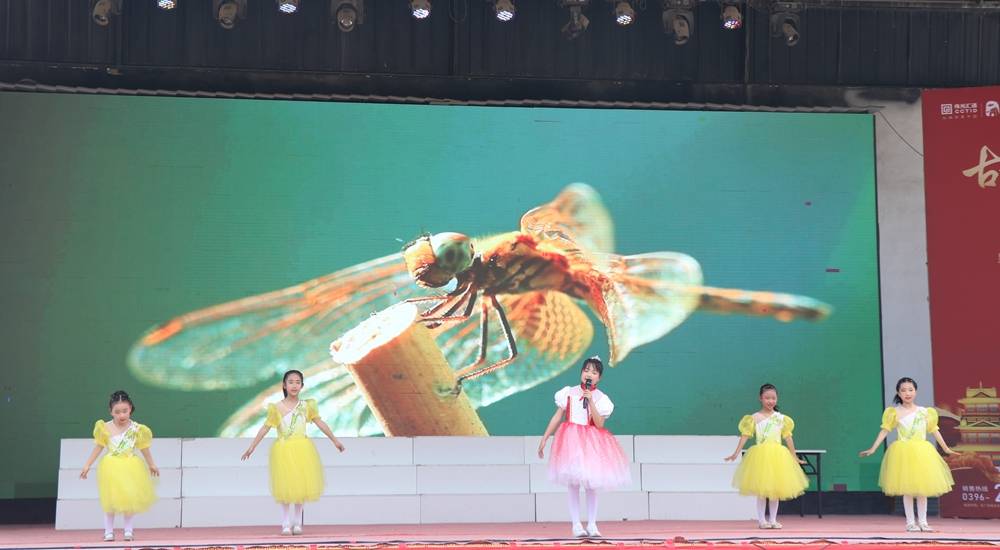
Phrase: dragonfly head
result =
(434, 260)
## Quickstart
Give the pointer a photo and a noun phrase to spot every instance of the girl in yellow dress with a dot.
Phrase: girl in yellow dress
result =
(124, 484)
(769, 470)
(911, 466)
(296, 472)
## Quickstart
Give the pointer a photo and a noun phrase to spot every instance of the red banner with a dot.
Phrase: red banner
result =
(962, 185)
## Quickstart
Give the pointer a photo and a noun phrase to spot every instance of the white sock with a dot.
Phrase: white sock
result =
(761, 504)
(773, 509)
(592, 508)
(922, 509)
(128, 523)
(286, 511)
(297, 515)
(574, 504)
(109, 523)
(908, 509)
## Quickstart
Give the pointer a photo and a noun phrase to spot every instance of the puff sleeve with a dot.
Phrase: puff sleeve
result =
(101, 434)
(561, 397)
(787, 427)
(143, 437)
(312, 410)
(932, 420)
(889, 419)
(273, 418)
(747, 426)
(604, 405)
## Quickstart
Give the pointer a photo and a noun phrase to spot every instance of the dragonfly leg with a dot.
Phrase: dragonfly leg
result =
(468, 298)
(453, 299)
(474, 370)
(484, 329)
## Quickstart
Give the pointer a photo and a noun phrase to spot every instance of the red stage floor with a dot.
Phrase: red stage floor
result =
(842, 531)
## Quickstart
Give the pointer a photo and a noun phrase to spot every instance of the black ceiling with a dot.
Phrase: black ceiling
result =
(462, 50)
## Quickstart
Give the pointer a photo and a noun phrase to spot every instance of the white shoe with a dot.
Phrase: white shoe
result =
(924, 527)
(912, 527)
(109, 536)
(776, 525)
(592, 530)
(578, 530)
(296, 529)
(763, 525)
(286, 530)
(128, 535)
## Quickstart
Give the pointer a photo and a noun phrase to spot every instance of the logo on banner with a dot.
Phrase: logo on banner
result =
(955, 111)
(992, 109)
(985, 175)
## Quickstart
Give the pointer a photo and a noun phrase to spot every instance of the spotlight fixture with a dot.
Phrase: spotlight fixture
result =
(578, 22)
(103, 10)
(504, 9)
(288, 6)
(226, 12)
(785, 22)
(420, 9)
(732, 19)
(624, 14)
(678, 20)
(166, 4)
(347, 13)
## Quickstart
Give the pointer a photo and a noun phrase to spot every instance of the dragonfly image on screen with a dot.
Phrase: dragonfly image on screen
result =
(531, 282)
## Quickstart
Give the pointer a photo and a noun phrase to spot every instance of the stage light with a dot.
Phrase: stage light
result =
(624, 14)
(288, 6)
(504, 9)
(347, 13)
(678, 20)
(732, 19)
(166, 4)
(226, 12)
(420, 9)
(578, 22)
(785, 22)
(791, 32)
(103, 10)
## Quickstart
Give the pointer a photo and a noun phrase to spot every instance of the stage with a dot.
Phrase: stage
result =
(843, 531)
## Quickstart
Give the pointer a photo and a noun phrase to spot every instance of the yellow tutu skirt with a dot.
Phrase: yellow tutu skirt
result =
(769, 470)
(914, 468)
(124, 484)
(296, 472)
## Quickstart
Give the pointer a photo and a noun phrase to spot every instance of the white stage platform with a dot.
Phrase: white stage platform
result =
(402, 480)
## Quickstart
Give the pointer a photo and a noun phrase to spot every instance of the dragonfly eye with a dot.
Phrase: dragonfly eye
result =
(452, 252)
(435, 261)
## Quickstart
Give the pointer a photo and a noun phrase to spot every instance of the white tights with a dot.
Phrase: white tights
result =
(921, 509)
(772, 506)
(290, 517)
(109, 522)
(574, 505)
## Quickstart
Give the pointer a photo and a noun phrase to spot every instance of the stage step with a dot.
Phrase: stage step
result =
(414, 480)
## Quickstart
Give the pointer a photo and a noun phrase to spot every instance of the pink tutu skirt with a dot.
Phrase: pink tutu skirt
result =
(588, 456)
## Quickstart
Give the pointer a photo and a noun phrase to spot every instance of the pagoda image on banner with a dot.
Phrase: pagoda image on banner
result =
(975, 434)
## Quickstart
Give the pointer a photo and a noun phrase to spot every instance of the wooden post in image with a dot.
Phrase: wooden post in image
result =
(404, 376)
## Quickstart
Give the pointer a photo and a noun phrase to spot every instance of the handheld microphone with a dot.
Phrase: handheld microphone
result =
(586, 402)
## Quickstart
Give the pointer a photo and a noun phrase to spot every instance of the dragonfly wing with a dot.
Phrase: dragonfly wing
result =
(576, 220)
(246, 341)
(552, 333)
(641, 298)
(340, 404)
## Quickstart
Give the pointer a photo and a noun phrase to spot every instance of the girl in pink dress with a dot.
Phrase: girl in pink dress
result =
(583, 452)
